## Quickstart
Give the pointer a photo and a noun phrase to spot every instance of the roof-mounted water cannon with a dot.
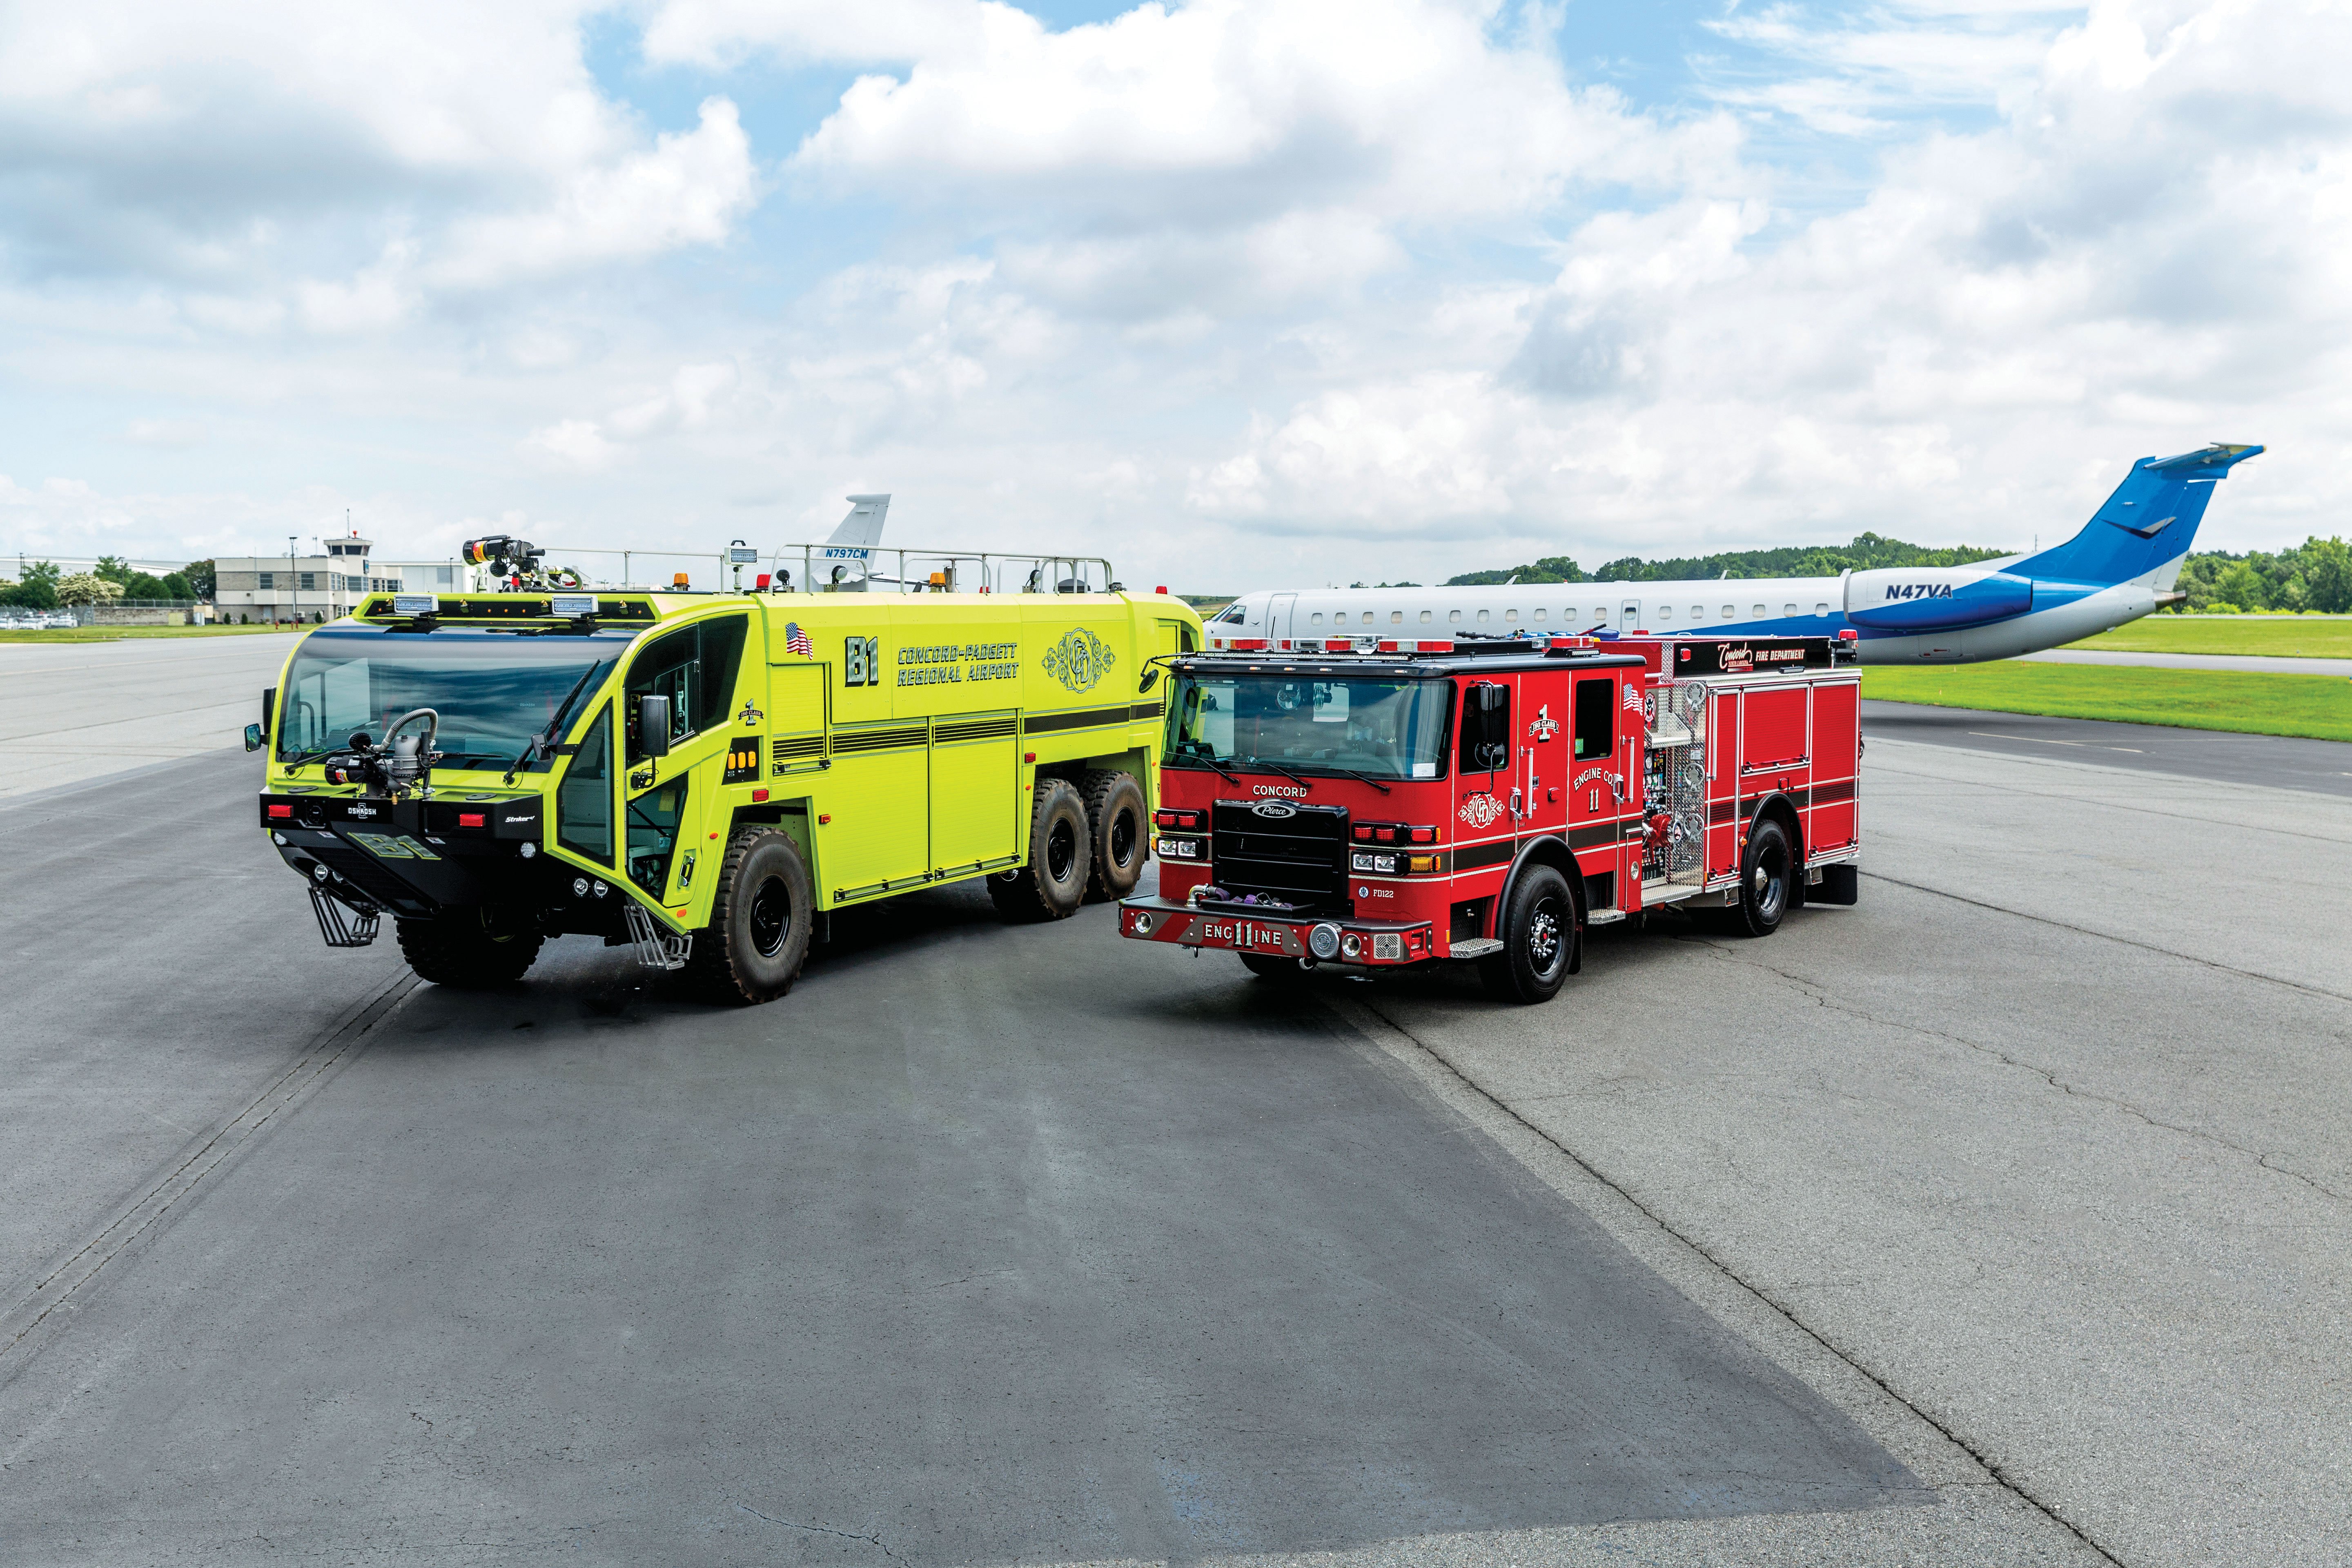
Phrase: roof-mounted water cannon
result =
(512, 560)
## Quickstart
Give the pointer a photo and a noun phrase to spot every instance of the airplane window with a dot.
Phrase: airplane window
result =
(1698, 612)
(1233, 613)
(1510, 614)
(1368, 617)
(1727, 612)
(1396, 616)
(1759, 610)
(1821, 609)
(1540, 615)
(1424, 615)
(1484, 616)
(1315, 619)
(1787, 609)
(1666, 612)
(1451, 615)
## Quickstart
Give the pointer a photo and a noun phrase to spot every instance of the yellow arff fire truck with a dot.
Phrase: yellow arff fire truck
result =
(708, 777)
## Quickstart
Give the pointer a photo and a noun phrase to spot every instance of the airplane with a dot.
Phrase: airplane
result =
(2121, 566)
(846, 560)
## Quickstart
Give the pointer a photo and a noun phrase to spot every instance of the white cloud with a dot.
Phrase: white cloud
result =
(2154, 250)
(345, 161)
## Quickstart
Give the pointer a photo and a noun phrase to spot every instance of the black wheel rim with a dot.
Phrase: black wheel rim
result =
(1061, 851)
(772, 917)
(1122, 838)
(1547, 936)
(1770, 881)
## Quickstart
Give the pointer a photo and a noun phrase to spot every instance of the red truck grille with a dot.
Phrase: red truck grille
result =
(1300, 859)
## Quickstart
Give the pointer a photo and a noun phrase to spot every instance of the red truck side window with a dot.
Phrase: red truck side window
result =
(1596, 716)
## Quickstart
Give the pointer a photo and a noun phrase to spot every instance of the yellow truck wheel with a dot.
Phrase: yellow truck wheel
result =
(759, 932)
(1121, 838)
(1053, 882)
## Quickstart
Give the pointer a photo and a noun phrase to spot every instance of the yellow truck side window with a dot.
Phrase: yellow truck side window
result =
(583, 802)
(694, 667)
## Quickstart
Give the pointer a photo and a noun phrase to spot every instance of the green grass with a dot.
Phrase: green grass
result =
(2273, 637)
(2317, 706)
(112, 633)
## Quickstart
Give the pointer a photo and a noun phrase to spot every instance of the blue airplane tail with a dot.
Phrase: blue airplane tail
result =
(2151, 519)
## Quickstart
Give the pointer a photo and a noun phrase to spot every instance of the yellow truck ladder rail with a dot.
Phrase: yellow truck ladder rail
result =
(922, 569)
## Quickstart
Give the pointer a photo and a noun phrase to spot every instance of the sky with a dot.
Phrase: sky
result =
(1240, 295)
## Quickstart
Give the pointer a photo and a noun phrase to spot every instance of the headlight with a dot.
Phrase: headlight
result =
(1323, 941)
(1142, 925)
(1380, 865)
(579, 887)
(1351, 946)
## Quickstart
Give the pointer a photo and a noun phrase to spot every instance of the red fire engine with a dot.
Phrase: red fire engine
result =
(1376, 803)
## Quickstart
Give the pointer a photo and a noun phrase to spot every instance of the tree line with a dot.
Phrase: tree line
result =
(45, 587)
(2314, 575)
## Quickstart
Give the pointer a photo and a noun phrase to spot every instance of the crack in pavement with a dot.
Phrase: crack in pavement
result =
(2110, 936)
(817, 1529)
(1787, 1313)
(1822, 999)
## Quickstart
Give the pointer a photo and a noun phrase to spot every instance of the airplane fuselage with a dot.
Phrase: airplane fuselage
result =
(2119, 567)
(2028, 617)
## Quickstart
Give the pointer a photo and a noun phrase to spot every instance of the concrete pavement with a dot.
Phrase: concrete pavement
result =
(79, 710)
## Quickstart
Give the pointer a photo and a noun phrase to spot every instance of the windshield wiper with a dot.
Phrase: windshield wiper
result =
(554, 726)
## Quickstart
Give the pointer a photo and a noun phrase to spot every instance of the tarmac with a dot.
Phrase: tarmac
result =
(2001, 1218)
(79, 711)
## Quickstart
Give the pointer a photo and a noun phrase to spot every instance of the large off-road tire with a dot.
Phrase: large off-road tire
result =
(1540, 935)
(1053, 882)
(465, 949)
(1119, 833)
(1273, 966)
(1767, 873)
(760, 922)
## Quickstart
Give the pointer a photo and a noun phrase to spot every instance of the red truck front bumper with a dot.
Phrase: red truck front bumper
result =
(1372, 942)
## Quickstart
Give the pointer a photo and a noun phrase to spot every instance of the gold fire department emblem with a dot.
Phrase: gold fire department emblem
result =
(1481, 810)
(1080, 659)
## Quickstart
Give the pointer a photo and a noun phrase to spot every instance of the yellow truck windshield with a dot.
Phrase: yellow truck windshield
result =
(493, 690)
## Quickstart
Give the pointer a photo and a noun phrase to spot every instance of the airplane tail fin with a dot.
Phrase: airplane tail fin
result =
(2150, 521)
(863, 526)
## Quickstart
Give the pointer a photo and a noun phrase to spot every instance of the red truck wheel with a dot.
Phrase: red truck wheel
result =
(1767, 876)
(1538, 932)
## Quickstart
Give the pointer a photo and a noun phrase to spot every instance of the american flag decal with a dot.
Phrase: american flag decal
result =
(796, 640)
(1634, 696)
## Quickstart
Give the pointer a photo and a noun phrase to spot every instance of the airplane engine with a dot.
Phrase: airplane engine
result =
(1934, 598)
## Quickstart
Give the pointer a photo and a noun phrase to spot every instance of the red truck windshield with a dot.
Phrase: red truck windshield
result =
(1385, 729)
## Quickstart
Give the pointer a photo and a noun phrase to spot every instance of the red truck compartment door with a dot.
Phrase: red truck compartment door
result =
(1837, 731)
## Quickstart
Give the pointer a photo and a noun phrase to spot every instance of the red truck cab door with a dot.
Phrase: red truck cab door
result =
(1597, 783)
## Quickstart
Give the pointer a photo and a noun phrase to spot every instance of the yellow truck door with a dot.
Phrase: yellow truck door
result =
(877, 792)
(699, 668)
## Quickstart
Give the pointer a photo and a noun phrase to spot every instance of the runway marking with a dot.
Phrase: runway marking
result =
(2045, 741)
(339, 1041)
